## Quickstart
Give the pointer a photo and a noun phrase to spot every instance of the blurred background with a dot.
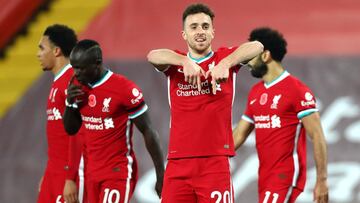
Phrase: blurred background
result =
(323, 51)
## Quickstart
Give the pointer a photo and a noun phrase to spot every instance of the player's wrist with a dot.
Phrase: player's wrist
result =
(321, 178)
(71, 105)
(226, 63)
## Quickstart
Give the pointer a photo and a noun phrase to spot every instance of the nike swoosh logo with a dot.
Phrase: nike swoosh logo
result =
(180, 70)
(252, 101)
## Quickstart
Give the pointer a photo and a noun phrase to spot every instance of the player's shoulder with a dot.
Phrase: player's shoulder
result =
(296, 82)
(180, 52)
(64, 75)
(224, 49)
(257, 86)
(121, 80)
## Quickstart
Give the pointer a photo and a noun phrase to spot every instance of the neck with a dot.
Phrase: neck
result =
(59, 64)
(198, 55)
(275, 69)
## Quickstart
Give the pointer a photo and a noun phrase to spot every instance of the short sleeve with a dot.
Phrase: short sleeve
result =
(172, 68)
(169, 71)
(305, 103)
(248, 115)
(133, 99)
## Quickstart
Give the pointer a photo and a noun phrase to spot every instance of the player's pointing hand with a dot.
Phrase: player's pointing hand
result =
(193, 73)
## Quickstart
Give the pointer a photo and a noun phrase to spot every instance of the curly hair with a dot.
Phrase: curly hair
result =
(62, 36)
(272, 41)
(197, 8)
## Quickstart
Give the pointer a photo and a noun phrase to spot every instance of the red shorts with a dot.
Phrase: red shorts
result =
(198, 180)
(52, 187)
(111, 190)
(287, 195)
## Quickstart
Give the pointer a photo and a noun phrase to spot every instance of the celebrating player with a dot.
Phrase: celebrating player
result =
(54, 50)
(201, 91)
(107, 105)
(281, 108)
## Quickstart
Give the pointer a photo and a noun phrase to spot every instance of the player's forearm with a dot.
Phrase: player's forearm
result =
(243, 53)
(314, 130)
(161, 58)
(72, 120)
(241, 133)
(152, 143)
(320, 156)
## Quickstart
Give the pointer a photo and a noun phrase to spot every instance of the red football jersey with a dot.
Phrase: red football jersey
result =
(201, 122)
(275, 109)
(58, 140)
(112, 103)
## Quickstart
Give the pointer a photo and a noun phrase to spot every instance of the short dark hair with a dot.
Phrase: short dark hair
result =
(91, 47)
(198, 8)
(272, 41)
(62, 36)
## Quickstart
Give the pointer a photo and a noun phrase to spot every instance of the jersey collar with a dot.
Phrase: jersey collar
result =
(62, 71)
(281, 77)
(102, 80)
(202, 59)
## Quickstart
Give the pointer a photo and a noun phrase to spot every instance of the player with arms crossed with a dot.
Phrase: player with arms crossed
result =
(201, 94)
(107, 104)
(54, 50)
(282, 109)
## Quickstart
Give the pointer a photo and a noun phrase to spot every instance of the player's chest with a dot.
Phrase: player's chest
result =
(100, 104)
(55, 103)
(271, 102)
(183, 89)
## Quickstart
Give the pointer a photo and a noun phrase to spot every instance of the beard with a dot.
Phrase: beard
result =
(260, 70)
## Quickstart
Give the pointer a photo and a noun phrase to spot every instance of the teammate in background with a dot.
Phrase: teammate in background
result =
(282, 109)
(107, 105)
(54, 50)
(201, 95)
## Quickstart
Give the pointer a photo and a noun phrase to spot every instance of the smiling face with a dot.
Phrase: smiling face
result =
(46, 54)
(198, 33)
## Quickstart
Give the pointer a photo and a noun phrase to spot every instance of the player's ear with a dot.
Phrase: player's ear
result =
(183, 34)
(266, 56)
(57, 51)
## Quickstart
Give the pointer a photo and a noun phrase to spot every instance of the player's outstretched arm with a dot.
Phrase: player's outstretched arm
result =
(162, 59)
(242, 54)
(241, 132)
(314, 130)
(152, 143)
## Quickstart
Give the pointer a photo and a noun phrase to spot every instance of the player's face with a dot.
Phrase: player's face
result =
(46, 54)
(86, 70)
(258, 67)
(198, 32)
